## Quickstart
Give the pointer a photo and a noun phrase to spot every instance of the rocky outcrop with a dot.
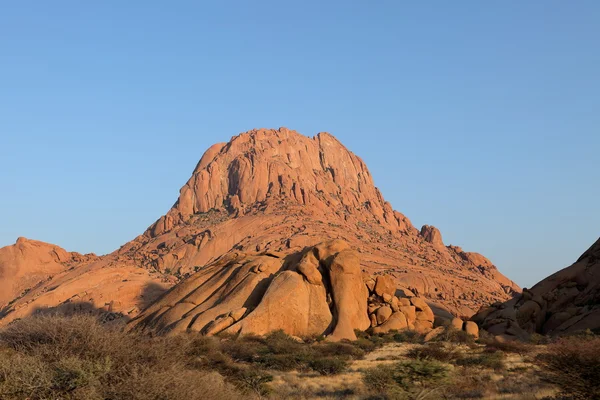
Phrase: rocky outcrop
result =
(28, 263)
(565, 302)
(270, 191)
(274, 292)
(257, 294)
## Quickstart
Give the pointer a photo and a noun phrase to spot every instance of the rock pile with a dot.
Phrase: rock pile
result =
(392, 309)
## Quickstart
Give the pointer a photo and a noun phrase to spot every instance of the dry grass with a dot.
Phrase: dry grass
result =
(573, 363)
(54, 357)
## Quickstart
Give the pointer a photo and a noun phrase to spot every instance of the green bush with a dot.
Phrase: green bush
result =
(435, 351)
(380, 379)
(410, 378)
(328, 365)
(347, 350)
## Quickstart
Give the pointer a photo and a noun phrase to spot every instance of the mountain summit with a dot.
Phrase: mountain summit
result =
(268, 191)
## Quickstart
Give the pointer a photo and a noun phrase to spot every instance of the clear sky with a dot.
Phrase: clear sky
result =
(481, 118)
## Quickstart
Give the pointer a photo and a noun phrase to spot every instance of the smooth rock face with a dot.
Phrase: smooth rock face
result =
(263, 293)
(563, 303)
(267, 191)
(384, 284)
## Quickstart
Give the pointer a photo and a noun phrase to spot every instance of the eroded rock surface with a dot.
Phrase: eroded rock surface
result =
(268, 191)
(565, 302)
(260, 293)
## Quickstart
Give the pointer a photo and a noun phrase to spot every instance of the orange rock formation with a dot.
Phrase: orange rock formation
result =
(266, 191)
(565, 302)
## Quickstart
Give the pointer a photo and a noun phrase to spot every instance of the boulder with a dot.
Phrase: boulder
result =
(382, 314)
(384, 284)
(349, 295)
(290, 304)
(472, 329)
(423, 326)
(373, 319)
(457, 324)
(433, 334)
(396, 322)
(409, 312)
(309, 268)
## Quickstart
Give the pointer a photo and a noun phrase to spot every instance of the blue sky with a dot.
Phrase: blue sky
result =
(481, 118)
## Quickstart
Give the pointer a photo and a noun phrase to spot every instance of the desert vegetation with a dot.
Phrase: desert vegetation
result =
(78, 357)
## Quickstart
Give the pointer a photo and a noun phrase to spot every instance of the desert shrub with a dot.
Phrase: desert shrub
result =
(470, 384)
(406, 379)
(365, 345)
(488, 360)
(537, 339)
(58, 357)
(408, 337)
(573, 364)
(328, 365)
(508, 346)
(435, 351)
(341, 349)
(285, 362)
(422, 372)
(454, 335)
(380, 379)
(23, 376)
(278, 351)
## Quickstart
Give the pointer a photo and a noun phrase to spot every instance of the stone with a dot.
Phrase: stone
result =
(433, 334)
(384, 284)
(290, 304)
(550, 306)
(218, 325)
(383, 313)
(423, 326)
(419, 303)
(472, 329)
(426, 315)
(432, 235)
(349, 295)
(404, 302)
(238, 314)
(395, 304)
(404, 293)
(457, 324)
(409, 312)
(396, 322)
(370, 285)
(309, 268)
(373, 319)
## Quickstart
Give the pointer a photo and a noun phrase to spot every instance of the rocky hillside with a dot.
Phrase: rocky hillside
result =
(271, 191)
(321, 290)
(565, 302)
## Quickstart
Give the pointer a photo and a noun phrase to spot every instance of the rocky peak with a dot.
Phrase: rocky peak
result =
(267, 166)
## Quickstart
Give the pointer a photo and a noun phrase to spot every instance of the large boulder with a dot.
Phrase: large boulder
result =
(349, 295)
(246, 293)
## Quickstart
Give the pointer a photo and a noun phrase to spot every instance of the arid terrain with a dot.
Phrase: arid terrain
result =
(264, 191)
(281, 272)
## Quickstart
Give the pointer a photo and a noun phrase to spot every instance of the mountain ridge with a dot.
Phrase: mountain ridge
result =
(277, 190)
